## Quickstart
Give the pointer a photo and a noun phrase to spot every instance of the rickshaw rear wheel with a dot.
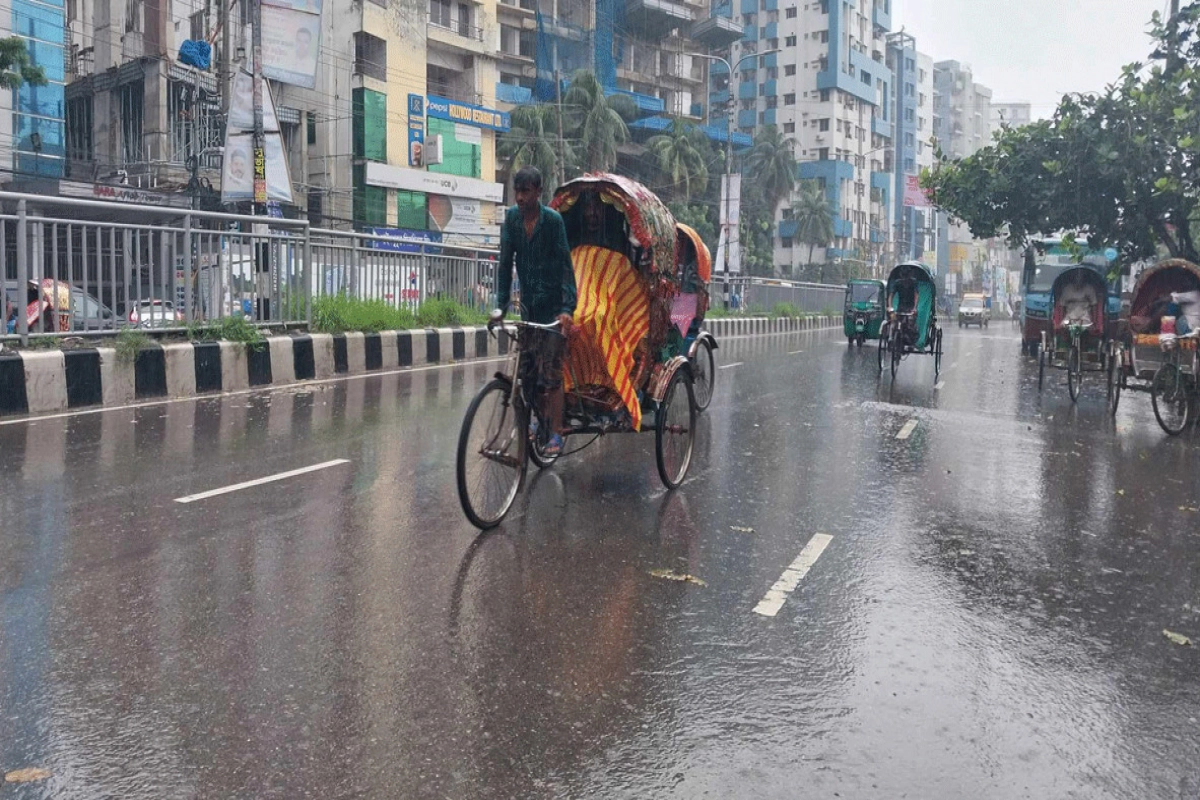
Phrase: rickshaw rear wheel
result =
(491, 458)
(937, 353)
(897, 348)
(1041, 368)
(1114, 380)
(1171, 396)
(1074, 372)
(705, 372)
(883, 341)
(675, 429)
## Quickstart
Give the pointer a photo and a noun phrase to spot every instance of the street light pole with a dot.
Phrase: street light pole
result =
(729, 144)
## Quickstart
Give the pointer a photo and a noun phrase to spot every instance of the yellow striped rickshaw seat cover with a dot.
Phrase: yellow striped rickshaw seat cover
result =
(612, 316)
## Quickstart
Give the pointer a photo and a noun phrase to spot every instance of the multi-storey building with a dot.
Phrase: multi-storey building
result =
(31, 118)
(830, 89)
(913, 227)
(1012, 114)
(962, 125)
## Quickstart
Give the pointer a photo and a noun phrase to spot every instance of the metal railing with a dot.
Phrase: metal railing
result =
(764, 294)
(91, 268)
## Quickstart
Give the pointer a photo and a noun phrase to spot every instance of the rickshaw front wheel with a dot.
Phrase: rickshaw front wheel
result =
(675, 429)
(704, 370)
(491, 455)
(1074, 372)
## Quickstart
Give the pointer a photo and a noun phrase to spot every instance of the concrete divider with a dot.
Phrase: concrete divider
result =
(35, 382)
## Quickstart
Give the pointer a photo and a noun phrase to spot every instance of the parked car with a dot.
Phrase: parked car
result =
(973, 310)
(89, 314)
(155, 314)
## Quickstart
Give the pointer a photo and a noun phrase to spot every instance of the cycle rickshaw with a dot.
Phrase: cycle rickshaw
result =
(1145, 358)
(1077, 338)
(911, 325)
(689, 308)
(626, 366)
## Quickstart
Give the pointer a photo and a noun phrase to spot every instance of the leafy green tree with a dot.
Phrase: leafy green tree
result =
(16, 65)
(680, 159)
(1119, 167)
(814, 218)
(771, 166)
(700, 219)
(596, 122)
(532, 140)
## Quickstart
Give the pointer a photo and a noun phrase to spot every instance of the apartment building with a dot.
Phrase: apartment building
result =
(32, 131)
(830, 89)
(1012, 114)
(914, 232)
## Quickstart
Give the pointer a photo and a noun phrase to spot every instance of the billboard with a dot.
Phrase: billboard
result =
(291, 41)
(442, 108)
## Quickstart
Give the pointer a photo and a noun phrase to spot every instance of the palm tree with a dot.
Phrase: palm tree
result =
(597, 122)
(814, 218)
(680, 160)
(772, 165)
(531, 141)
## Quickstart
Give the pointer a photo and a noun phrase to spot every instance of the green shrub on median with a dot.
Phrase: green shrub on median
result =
(341, 314)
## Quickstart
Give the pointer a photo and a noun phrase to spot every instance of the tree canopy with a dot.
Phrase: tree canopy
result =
(16, 65)
(1119, 166)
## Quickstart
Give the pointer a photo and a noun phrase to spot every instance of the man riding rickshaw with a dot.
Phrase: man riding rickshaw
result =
(625, 364)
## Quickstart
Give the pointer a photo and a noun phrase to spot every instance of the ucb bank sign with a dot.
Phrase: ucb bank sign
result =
(441, 108)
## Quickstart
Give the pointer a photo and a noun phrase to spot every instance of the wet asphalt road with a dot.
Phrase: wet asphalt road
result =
(986, 621)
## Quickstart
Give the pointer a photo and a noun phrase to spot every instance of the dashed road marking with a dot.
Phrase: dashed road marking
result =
(938, 386)
(795, 352)
(777, 595)
(731, 366)
(192, 498)
(907, 430)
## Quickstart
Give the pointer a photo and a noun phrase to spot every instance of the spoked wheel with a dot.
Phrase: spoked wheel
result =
(883, 342)
(491, 455)
(675, 430)
(538, 442)
(704, 370)
(862, 338)
(937, 353)
(897, 349)
(1171, 395)
(1115, 379)
(1041, 368)
(1074, 372)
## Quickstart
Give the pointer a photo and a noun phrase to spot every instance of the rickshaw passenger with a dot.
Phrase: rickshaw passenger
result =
(536, 238)
(906, 295)
(1078, 300)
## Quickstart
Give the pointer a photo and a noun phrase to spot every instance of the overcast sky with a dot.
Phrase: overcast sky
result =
(1022, 49)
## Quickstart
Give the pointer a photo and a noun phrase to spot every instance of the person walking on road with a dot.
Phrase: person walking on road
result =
(535, 237)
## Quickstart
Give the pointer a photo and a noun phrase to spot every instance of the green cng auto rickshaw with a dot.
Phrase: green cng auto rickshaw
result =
(863, 314)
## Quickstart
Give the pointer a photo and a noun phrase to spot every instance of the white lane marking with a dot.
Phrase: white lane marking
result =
(192, 498)
(953, 364)
(777, 595)
(795, 352)
(283, 387)
(731, 366)
(907, 430)
(939, 385)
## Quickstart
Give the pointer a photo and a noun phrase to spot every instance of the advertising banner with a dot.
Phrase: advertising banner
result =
(291, 42)
(914, 195)
(237, 169)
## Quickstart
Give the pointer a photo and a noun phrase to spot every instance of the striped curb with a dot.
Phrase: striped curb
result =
(42, 382)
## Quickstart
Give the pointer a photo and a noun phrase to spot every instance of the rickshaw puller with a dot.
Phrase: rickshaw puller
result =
(536, 238)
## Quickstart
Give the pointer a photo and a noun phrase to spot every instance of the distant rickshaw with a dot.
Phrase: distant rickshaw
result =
(911, 325)
(1076, 339)
(862, 316)
(1149, 354)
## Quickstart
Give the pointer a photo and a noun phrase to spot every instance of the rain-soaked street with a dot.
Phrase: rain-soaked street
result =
(986, 620)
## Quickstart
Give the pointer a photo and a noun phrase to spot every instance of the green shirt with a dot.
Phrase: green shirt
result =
(543, 263)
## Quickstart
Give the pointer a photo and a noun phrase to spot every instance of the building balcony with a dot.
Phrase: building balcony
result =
(881, 127)
(525, 8)
(770, 5)
(718, 98)
(452, 91)
(770, 89)
(716, 32)
(747, 91)
(460, 38)
(747, 118)
(788, 228)
(750, 33)
(770, 31)
(514, 58)
(656, 18)
(767, 117)
(749, 6)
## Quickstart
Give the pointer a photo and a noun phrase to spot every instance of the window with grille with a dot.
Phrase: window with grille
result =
(370, 56)
(133, 16)
(130, 98)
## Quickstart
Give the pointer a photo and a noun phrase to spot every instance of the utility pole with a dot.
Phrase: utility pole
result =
(562, 171)
(260, 161)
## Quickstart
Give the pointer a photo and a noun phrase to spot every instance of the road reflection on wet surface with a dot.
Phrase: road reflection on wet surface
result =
(987, 619)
